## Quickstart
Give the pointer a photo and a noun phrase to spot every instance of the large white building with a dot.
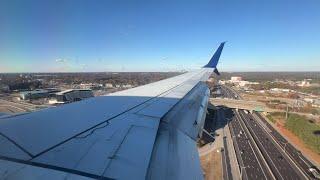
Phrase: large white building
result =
(245, 83)
(108, 85)
(127, 86)
(236, 79)
(279, 90)
(304, 83)
(90, 86)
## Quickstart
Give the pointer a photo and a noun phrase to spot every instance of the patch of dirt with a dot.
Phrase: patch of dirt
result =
(5, 110)
(298, 143)
(211, 164)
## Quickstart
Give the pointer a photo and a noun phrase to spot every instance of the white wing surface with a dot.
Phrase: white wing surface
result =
(148, 132)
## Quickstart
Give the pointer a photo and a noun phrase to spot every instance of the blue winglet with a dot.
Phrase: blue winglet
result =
(215, 58)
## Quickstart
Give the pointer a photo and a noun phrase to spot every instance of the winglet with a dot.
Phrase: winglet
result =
(215, 58)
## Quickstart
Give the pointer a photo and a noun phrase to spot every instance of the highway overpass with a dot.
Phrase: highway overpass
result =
(240, 104)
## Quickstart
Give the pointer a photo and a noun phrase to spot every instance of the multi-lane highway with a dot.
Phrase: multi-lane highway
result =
(251, 163)
(261, 151)
(279, 163)
(302, 162)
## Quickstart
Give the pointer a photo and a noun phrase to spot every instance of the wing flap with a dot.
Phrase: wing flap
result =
(101, 151)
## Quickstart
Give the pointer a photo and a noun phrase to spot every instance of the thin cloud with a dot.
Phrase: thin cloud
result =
(61, 60)
(83, 66)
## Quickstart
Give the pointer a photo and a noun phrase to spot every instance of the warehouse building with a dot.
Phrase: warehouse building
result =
(71, 95)
(36, 94)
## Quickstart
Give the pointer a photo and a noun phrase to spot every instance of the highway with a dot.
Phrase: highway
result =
(294, 154)
(251, 162)
(261, 151)
(277, 160)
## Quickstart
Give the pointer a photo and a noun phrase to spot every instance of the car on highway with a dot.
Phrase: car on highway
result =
(315, 173)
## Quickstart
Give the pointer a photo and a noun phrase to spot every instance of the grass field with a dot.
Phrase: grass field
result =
(305, 130)
(273, 117)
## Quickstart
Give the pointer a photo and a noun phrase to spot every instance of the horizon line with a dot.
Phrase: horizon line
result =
(154, 72)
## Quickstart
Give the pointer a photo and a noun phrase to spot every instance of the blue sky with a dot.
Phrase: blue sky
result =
(117, 35)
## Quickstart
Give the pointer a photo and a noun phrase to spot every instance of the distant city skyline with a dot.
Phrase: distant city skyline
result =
(98, 36)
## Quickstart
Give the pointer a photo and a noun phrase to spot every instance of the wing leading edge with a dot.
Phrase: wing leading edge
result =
(117, 136)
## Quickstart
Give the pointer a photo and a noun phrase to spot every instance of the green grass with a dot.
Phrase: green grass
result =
(279, 114)
(301, 127)
(276, 115)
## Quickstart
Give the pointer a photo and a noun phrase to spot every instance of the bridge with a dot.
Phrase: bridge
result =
(241, 104)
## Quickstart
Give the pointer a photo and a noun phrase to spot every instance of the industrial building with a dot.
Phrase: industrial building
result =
(37, 94)
(71, 95)
(93, 86)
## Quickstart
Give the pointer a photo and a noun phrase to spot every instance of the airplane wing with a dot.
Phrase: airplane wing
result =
(147, 132)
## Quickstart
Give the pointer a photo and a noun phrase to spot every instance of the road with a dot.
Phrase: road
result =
(279, 163)
(261, 151)
(294, 154)
(250, 161)
(241, 104)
